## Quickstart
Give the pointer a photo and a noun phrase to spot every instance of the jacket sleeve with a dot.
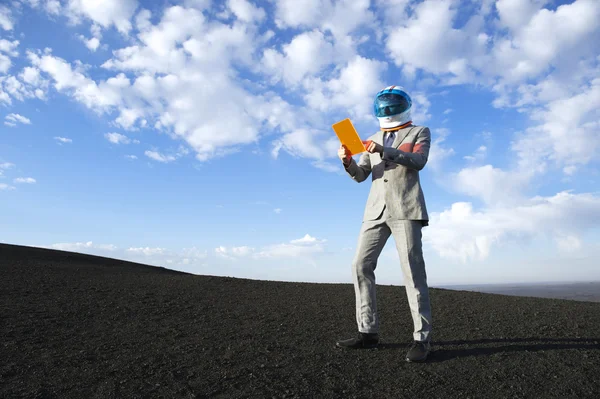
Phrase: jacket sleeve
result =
(415, 159)
(361, 170)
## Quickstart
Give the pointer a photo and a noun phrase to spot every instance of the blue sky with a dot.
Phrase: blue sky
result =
(196, 135)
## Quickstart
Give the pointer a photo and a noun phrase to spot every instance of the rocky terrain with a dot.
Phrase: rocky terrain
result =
(79, 326)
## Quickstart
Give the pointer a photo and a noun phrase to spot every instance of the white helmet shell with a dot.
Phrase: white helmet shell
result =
(388, 122)
(392, 107)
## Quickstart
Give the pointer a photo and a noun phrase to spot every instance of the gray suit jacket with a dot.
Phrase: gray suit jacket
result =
(395, 176)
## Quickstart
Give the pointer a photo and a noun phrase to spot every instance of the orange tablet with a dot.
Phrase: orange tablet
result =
(348, 136)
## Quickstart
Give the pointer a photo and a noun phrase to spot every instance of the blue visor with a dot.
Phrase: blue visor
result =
(390, 104)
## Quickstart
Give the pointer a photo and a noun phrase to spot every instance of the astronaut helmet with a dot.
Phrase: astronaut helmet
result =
(392, 107)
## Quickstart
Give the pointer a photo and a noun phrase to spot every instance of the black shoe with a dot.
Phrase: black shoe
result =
(418, 351)
(367, 341)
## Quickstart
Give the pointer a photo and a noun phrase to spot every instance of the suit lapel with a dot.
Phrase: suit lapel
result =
(379, 137)
(401, 135)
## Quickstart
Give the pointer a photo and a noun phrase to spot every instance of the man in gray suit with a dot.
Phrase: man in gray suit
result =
(395, 206)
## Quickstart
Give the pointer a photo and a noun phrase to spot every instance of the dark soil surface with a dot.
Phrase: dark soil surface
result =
(78, 326)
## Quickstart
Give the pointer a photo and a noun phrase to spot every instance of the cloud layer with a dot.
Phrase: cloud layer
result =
(217, 77)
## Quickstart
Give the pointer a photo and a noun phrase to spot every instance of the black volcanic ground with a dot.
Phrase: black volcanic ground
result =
(78, 326)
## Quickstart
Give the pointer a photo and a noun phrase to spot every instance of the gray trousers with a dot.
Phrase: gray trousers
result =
(373, 236)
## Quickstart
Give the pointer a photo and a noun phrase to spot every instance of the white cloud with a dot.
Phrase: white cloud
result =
(6, 187)
(117, 138)
(307, 239)
(147, 251)
(99, 97)
(221, 251)
(157, 43)
(197, 4)
(463, 233)
(11, 86)
(309, 144)
(131, 156)
(277, 210)
(83, 247)
(27, 180)
(193, 59)
(569, 170)
(300, 142)
(478, 155)
(105, 13)
(429, 41)
(185, 258)
(288, 251)
(327, 166)
(392, 10)
(516, 14)
(347, 16)
(9, 47)
(52, 7)
(31, 76)
(438, 151)
(246, 11)
(521, 56)
(188, 257)
(490, 184)
(142, 20)
(420, 109)
(307, 54)
(4, 97)
(295, 14)
(352, 90)
(177, 70)
(92, 43)
(306, 246)
(241, 251)
(233, 252)
(340, 18)
(63, 140)
(567, 134)
(176, 66)
(568, 243)
(157, 156)
(13, 119)
(7, 50)
(6, 22)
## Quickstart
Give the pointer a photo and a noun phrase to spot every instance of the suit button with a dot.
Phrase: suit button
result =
(385, 180)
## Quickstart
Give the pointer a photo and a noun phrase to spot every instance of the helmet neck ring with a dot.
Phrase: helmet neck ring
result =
(392, 129)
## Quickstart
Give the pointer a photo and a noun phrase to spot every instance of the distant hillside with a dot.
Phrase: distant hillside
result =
(80, 326)
(589, 291)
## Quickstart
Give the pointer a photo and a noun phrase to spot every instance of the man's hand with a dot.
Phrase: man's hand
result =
(344, 154)
(373, 147)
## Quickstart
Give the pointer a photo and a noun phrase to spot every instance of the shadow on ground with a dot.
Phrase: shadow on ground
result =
(442, 351)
